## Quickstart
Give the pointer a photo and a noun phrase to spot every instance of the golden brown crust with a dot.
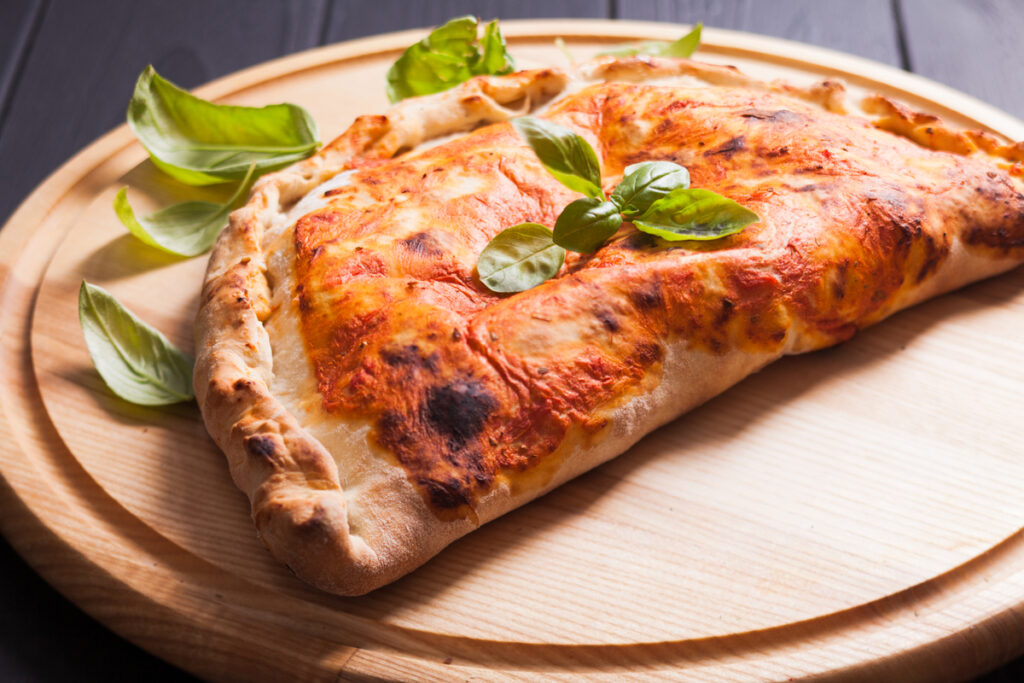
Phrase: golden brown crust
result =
(292, 482)
(471, 404)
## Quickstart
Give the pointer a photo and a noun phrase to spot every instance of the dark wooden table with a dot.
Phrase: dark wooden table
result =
(67, 68)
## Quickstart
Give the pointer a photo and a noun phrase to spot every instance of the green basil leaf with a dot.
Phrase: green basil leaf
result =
(684, 47)
(565, 155)
(449, 55)
(137, 362)
(494, 57)
(186, 229)
(585, 224)
(519, 258)
(645, 183)
(694, 214)
(201, 143)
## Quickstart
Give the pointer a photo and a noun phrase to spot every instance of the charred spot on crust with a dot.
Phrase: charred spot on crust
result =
(469, 464)
(608, 320)
(779, 152)
(841, 278)
(393, 431)
(316, 523)
(1000, 238)
(648, 296)
(638, 241)
(422, 244)
(895, 209)
(335, 191)
(447, 494)
(304, 304)
(409, 355)
(725, 312)
(242, 384)
(459, 410)
(647, 353)
(934, 253)
(260, 446)
(728, 148)
(1005, 231)
(777, 116)
(663, 127)
(677, 157)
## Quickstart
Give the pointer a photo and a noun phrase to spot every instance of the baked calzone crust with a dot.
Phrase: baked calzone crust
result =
(375, 401)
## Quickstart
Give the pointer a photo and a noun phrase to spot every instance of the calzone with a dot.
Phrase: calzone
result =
(375, 401)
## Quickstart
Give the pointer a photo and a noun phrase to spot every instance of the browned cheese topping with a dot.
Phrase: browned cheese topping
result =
(466, 388)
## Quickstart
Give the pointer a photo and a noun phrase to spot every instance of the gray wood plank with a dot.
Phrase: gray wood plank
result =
(972, 45)
(18, 18)
(356, 18)
(81, 67)
(866, 28)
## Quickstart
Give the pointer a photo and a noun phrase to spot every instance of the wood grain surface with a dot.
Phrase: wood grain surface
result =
(191, 41)
(66, 45)
(941, 34)
(17, 17)
(779, 568)
(866, 28)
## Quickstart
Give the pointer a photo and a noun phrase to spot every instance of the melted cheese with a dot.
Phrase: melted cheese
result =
(387, 348)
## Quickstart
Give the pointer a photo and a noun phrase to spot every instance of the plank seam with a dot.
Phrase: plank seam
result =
(23, 46)
(901, 36)
(325, 21)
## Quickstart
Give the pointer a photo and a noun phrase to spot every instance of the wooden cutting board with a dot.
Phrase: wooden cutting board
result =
(853, 513)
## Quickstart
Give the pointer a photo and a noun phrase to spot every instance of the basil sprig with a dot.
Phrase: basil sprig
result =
(449, 55)
(654, 195)
(564, 154)
(201, 143)
(185, 229)
(684, 47)
(136, 361)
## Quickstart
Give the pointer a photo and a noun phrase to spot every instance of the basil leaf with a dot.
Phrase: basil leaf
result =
(645, 183)
(201, 143)
(585, 224)
(694, 214)
(137, 362)
(494, 58)
(449, 55)
(565, 155)
(684, 47)
(519, 258)
(186, 229)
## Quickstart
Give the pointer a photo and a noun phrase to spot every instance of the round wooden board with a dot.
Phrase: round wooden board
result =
(855, 512)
